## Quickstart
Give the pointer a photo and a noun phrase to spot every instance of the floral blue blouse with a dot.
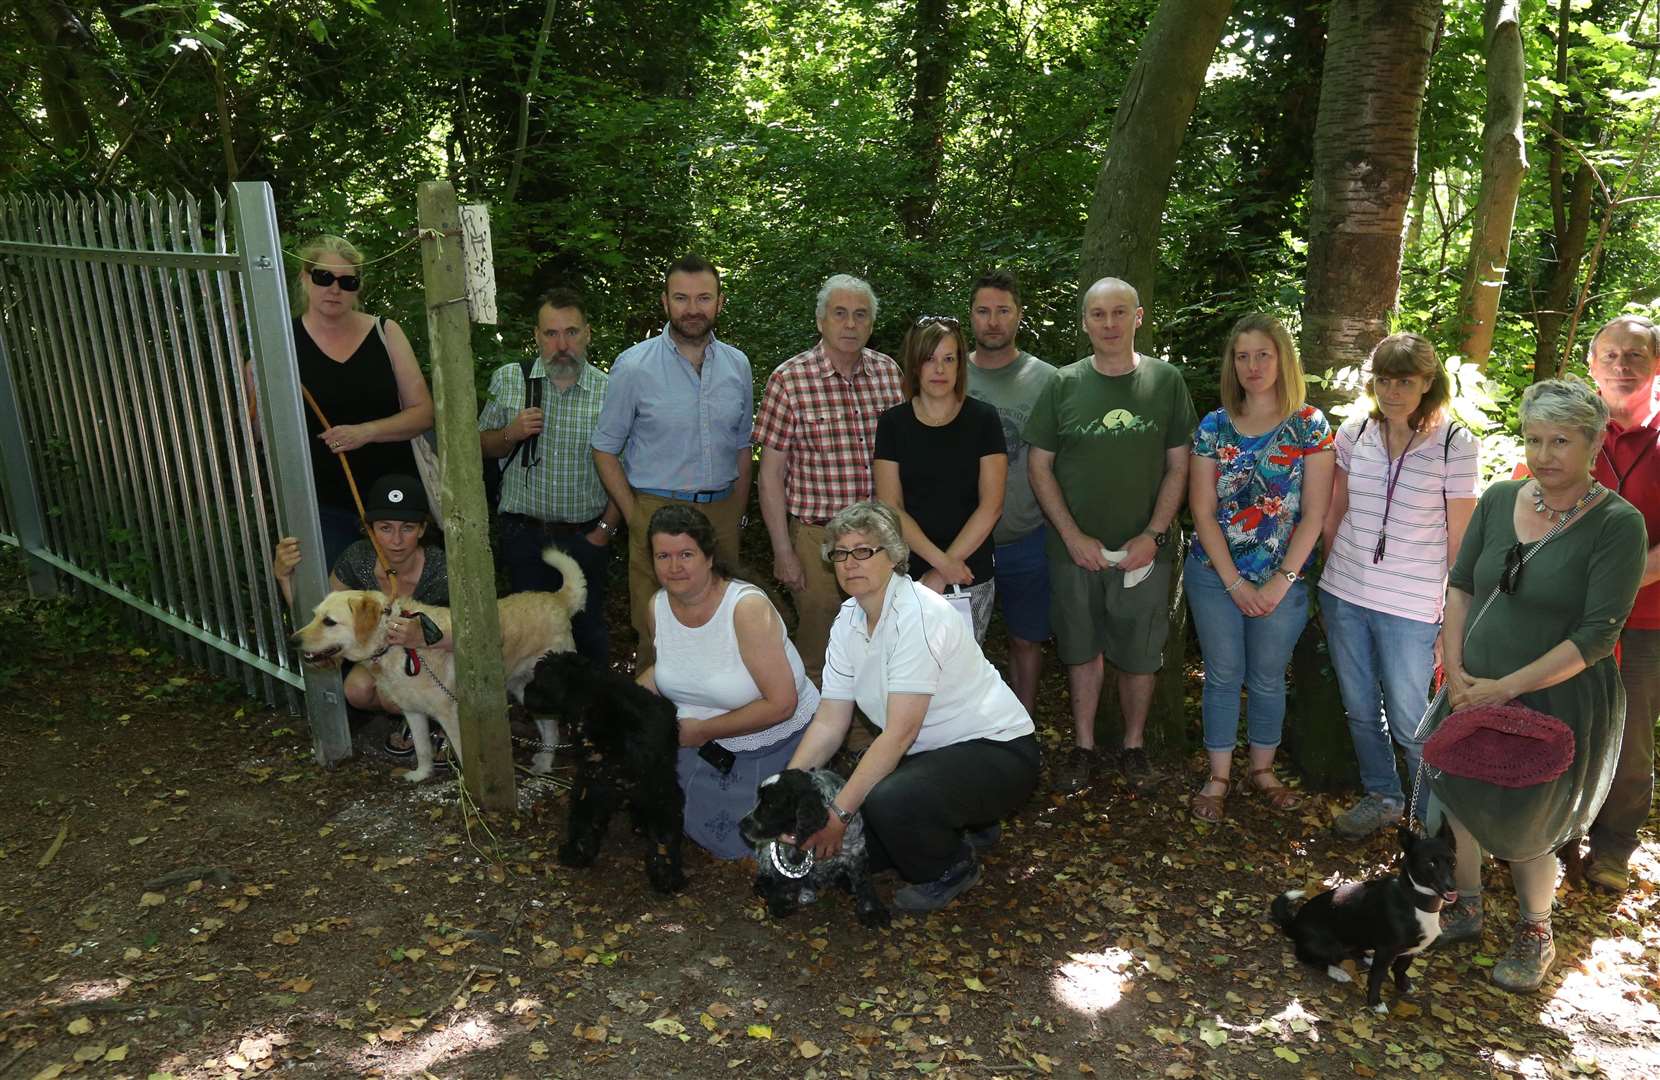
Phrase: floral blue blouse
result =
(1259, 485)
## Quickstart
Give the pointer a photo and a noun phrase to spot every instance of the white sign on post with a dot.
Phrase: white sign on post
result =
(479, 263)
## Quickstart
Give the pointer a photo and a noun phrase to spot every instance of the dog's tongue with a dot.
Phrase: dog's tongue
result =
(1450, 896)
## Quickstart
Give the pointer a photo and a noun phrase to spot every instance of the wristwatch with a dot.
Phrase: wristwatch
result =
(1292, 576)
(606, 527)
(844, 816)
(1159, 538)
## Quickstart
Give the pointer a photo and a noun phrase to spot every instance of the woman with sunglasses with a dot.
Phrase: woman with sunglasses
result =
(1402, 497)
(1561, 557)
(941, 462)
(956, 753)
(362, 372)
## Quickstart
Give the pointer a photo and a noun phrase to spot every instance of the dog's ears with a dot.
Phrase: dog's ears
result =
(811, 813)
(365, 617)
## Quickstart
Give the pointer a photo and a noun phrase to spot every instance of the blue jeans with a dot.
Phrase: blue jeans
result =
(1242, 652)
(1384, 665)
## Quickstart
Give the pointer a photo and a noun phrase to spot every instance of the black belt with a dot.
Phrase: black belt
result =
(550, 528)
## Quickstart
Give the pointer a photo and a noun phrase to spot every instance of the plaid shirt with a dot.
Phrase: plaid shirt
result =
(563, 484)
(827, 424)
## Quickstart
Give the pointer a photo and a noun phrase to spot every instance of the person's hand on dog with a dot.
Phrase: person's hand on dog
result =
(824, 844)
(405, 634)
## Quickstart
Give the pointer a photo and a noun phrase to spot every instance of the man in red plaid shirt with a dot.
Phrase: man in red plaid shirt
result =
(817, 431)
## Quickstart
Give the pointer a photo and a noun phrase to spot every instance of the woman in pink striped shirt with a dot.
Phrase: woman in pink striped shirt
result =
(1403, 494)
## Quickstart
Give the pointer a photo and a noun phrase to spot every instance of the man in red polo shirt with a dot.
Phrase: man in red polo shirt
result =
(1623, 361)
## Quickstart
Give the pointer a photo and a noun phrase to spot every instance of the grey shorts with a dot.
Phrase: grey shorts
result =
(1095, 615)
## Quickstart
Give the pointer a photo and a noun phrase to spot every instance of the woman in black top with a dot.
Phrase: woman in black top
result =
(941, 462)
(363, 373)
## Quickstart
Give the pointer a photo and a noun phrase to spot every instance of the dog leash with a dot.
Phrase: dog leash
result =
(351, 483)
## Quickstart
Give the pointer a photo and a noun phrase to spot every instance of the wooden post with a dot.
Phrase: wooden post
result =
(480, 679)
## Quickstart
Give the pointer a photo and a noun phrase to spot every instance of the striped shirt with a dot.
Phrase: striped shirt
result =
(562, 485)
(827, 424)
(1411, 580)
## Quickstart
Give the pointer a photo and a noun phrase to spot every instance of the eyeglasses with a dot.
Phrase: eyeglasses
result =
(941, 320)
(858, 554)
(1510, 578)
(324, 278)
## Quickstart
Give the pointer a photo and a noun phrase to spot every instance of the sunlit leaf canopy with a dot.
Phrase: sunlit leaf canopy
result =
(780, 138)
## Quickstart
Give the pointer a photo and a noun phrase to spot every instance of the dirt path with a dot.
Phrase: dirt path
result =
(219, 906)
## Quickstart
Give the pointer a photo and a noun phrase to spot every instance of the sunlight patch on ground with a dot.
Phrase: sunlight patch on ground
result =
(1092, 982)
(410, 1054)
(97, 990)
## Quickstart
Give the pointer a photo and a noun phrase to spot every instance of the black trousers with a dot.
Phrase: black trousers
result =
(915, 816)
(522, 542)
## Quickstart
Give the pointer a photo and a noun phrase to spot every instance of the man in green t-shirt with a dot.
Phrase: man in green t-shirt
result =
(1010, 381)
(1108, 462)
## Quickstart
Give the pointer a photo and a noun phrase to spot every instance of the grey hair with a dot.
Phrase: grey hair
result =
(1567, 403)
(878, 522)
(836, 282)
(1104, 285)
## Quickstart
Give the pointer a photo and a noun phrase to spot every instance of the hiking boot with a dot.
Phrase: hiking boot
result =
(1077, 772)
(933, 895)
(1530, 956)
(982, 839)
(1371, 813)
(1460, 921)
(1136, 769)
(1604, 873)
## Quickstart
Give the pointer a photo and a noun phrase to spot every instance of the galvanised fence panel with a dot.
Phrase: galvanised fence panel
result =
(134, 331)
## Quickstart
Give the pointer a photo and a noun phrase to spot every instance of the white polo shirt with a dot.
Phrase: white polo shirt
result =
(921, 646)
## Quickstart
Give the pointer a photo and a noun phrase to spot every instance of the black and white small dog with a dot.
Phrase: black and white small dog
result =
(1392, 918)
(797, 802)
(626, 743)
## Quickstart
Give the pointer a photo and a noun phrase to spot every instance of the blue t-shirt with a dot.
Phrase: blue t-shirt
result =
(1259, 485)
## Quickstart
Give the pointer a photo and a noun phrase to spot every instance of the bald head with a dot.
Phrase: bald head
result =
(1111, 313)
(1117, 286)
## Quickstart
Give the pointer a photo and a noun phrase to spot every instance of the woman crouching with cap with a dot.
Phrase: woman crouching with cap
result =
(956, 753)
(1558, 558)
(396, 511)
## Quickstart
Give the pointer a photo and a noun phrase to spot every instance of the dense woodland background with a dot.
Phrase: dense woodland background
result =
(914, 142)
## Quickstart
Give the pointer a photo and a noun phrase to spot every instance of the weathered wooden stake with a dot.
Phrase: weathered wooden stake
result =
(480, 680)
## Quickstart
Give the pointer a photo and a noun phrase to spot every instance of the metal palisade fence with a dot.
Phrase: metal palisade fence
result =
(133, 330)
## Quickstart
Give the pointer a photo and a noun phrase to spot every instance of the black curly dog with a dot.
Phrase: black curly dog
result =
(798, 802)
(626, 741)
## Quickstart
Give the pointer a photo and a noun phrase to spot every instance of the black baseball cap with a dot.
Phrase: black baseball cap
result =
(396, 497)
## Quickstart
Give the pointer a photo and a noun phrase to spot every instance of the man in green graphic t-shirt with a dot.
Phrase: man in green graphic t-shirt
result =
(1108, 463)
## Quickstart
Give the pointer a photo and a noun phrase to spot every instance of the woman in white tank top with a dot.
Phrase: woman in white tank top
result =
(726, 661)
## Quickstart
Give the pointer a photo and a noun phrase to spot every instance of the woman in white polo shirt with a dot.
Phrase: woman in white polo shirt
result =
(956, 754)
(1404, 491)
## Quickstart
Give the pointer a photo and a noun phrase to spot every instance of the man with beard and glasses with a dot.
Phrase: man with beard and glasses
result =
(675, 429)
(538, 421)
(1010, 381)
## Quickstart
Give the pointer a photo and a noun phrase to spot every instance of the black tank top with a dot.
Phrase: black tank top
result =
(355, 392)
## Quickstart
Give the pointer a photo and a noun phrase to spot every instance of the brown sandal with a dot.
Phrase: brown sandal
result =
(1278, 795)
(1209, 808)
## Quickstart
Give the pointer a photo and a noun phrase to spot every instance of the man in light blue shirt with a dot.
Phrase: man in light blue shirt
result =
(675, 429)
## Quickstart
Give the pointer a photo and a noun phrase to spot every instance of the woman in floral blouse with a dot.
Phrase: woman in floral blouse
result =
(1258, 487)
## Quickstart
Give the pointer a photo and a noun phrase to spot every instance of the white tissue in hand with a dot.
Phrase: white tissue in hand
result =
(1132, 578)
(1114, 557)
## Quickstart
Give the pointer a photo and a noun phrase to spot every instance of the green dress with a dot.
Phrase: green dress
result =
(1579, 588)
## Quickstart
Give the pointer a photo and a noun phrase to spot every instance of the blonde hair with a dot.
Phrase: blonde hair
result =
(1289, 386)
(1411, 354)
(313, 252)
(1566, 403)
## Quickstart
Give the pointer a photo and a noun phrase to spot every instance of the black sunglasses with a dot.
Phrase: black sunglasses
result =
(324, 278)
(1510, 578)
(941, 320)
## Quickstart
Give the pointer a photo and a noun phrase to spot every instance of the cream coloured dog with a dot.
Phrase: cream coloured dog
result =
(353, 625)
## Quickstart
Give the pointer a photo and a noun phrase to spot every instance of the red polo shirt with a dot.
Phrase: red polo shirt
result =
(1630, 464)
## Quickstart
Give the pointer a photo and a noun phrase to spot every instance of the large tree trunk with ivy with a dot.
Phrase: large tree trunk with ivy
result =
(1503, 161)
(925, 138)
(1365, 162)
(1121, 238)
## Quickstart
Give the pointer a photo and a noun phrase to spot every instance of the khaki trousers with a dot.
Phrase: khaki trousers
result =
(816, 604)
(642, 576)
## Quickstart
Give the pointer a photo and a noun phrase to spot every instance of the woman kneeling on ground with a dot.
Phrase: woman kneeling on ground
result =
(1547, 642)
(956, 753)
(725, 659)
(396, 510)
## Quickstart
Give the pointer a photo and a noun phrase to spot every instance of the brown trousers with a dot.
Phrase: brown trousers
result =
(816, 604)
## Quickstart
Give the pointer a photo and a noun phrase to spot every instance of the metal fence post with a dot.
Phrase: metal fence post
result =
(282, 422)
(18, 474)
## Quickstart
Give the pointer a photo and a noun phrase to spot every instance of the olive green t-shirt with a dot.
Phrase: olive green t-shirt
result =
(1109, 435)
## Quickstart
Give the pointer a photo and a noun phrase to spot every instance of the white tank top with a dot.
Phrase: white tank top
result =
(701, 670)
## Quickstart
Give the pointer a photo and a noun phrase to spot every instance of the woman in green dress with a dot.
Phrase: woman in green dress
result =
(1547, 641)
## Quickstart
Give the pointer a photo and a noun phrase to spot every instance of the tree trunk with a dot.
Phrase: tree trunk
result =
(1365, 162)
(1121, 238)
(1503, 161)
(925, 140)
(60, 37)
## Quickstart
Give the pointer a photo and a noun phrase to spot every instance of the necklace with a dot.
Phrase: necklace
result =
(1554, 515)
